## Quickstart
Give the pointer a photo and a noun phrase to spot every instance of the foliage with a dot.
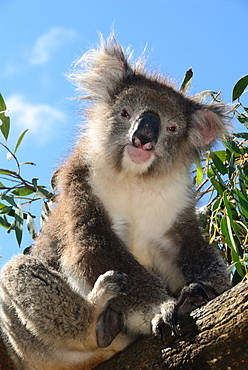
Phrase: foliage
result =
(221, 179)
(16, 193)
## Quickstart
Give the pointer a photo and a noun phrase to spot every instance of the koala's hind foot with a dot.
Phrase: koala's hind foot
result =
(110, 322)
(42, 314)
(107, 286)
(192, 296)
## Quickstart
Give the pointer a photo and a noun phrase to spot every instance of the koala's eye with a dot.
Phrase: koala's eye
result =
(171, 128)
(125, 114)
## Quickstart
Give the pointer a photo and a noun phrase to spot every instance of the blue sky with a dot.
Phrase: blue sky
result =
(40, 39)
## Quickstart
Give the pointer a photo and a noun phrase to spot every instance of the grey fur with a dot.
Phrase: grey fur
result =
(124, 220)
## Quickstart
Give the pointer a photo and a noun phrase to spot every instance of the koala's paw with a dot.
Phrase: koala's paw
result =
(109, 285)
(192, 296)
(164, 323)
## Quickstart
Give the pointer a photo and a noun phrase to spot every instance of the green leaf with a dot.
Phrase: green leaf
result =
(31, 226)
(6, 172)
(5, 209)
(22, 191)
(18, 225)
(9, 199)
(27, 250)
(2, 104)
(241, 202)
(187, 80)
(43, 194)
(5, 126)
(221, 154)
(216, 204)
(232, 146)
(229, 228)
(218, 164)
(34, 181)
(217, 185)
(237, 263)
(199, 173)
(242, 182)
(243, 118)
(232, 165)
(4, 222)
(239, 87)
(20, 140)
(243, 135)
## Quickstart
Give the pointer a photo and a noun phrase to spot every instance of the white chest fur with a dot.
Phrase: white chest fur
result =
(142, 211)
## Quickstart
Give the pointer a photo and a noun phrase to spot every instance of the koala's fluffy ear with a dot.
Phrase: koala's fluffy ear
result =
(100, 71)
(208, 124)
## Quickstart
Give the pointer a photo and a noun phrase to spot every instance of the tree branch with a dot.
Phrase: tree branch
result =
(214, 336)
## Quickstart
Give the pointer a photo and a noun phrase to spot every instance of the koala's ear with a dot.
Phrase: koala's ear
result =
(208, 124)
(100, 71)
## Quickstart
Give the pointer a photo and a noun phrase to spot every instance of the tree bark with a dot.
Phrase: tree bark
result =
(214, 336)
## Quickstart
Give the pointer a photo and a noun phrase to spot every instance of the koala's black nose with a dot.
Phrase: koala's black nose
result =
(147, 132)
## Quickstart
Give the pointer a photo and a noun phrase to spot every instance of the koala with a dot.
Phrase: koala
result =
(121, 254)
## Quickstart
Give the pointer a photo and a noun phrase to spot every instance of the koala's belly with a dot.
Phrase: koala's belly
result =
(142, 212)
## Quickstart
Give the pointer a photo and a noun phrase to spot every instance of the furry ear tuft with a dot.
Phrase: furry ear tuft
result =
(100, 71)
(208, 124)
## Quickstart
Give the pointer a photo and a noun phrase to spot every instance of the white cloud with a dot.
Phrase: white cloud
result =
(49, 42)
(41, 119)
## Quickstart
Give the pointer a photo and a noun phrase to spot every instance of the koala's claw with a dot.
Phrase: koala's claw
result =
(162, 327)
(192, 296)
(172, 322)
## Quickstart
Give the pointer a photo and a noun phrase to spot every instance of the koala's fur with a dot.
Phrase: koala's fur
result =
(124, 221)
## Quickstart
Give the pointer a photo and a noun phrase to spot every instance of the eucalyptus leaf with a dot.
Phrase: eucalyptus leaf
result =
(187, 80)
(199, 173)
(243, 135)
(18, 225)
(232, 146)
(4, 222)
(241, 202)
(20, 140)
(23, 191)
(9, 199)
(31, 226)
(218, 164)
(217, 185)
(2, 104)
(5, 126)
(239, 87)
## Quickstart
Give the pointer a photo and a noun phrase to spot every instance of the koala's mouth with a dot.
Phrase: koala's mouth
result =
(142, 153)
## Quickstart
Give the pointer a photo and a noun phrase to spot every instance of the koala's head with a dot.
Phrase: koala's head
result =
(138, 122)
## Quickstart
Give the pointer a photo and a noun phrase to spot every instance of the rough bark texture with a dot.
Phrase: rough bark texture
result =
(214, 336)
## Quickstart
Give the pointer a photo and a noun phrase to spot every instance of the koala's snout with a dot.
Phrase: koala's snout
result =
(147, 132)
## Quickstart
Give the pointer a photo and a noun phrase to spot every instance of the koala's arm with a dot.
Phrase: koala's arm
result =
(201, 264)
